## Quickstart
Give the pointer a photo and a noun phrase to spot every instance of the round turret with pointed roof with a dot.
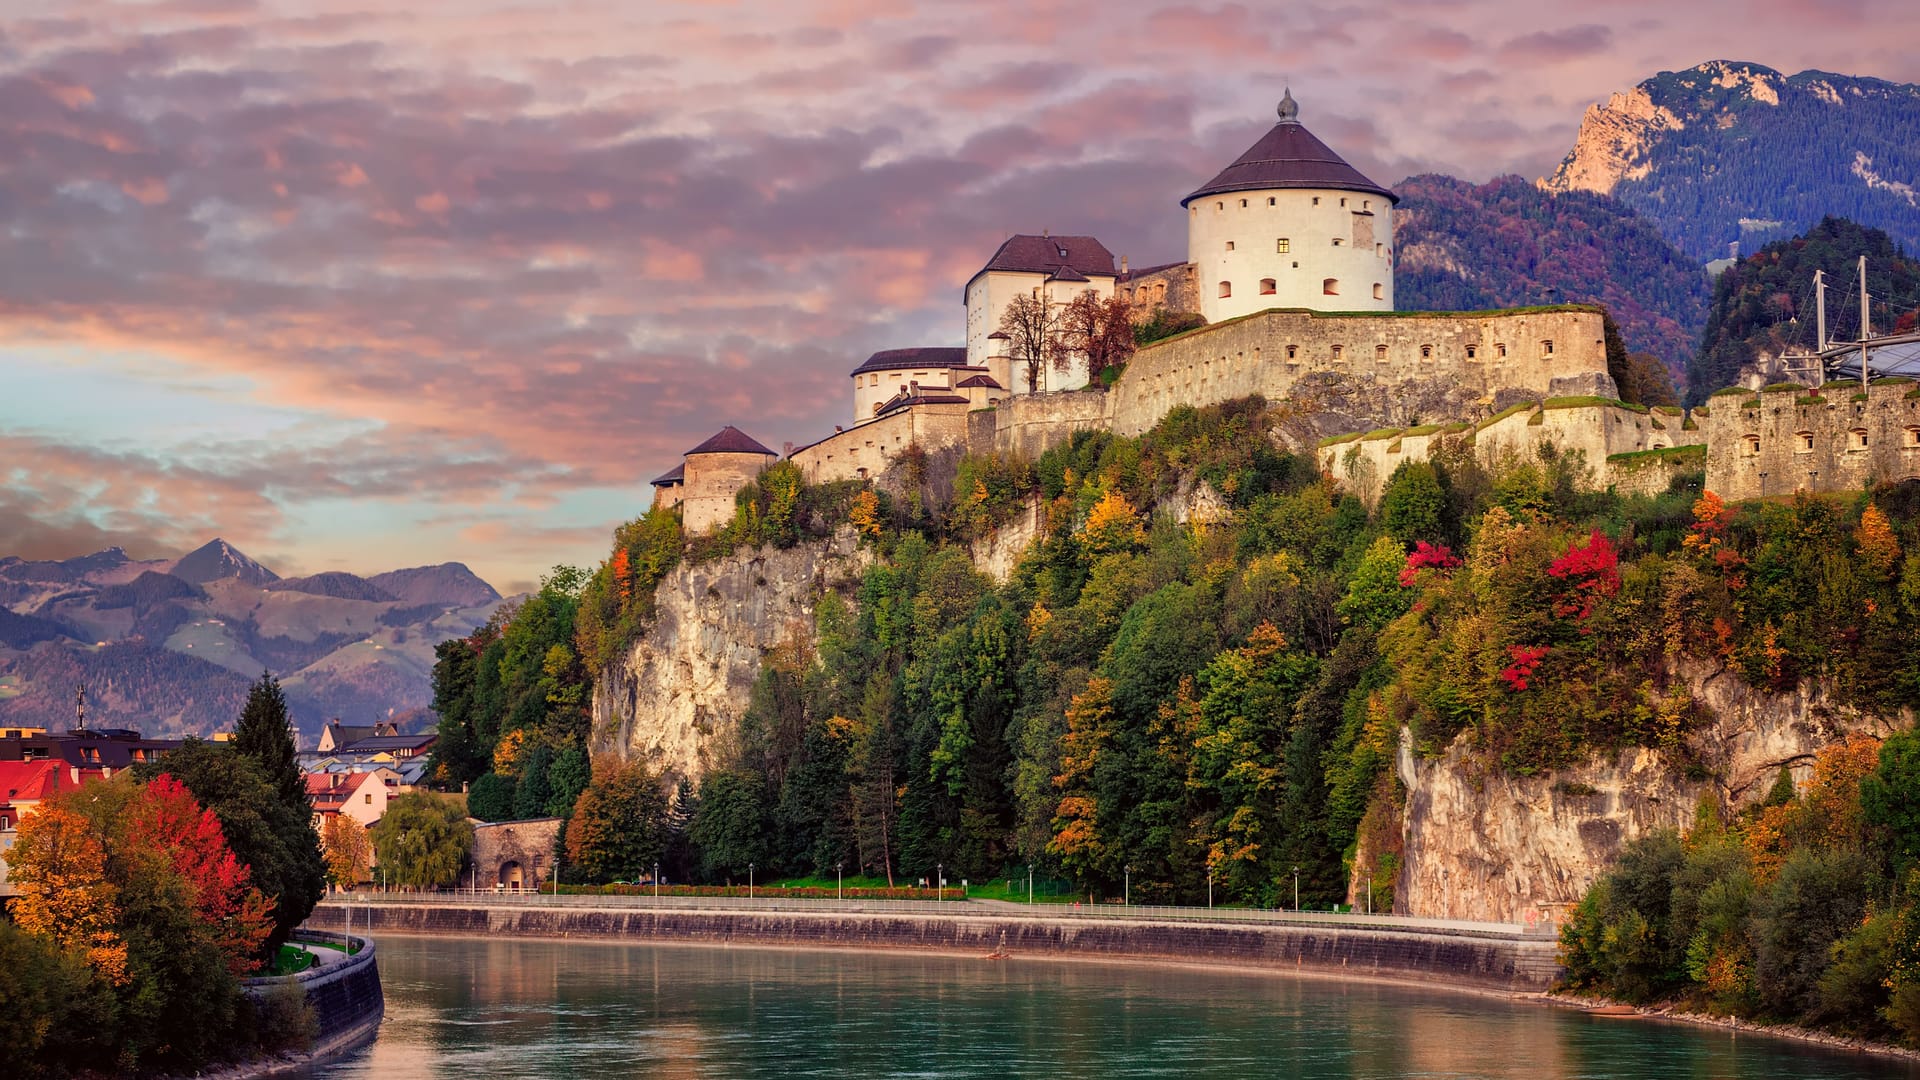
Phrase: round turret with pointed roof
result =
(731, 440)
(1289, 156)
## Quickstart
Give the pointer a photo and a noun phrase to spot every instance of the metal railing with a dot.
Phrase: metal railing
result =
(952, 908)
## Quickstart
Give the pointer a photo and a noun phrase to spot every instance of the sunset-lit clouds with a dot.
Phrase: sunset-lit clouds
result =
(487, 267)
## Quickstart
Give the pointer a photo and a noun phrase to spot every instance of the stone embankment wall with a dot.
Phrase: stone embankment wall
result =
(1501, 961)
(1790, 439)
(1481, 843)
(676, 695)
(345, 995)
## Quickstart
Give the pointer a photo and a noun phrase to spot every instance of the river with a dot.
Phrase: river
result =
(470, 1009)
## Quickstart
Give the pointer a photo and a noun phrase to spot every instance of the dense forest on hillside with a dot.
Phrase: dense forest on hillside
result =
(1507, 243)
(1751, 169)
(1211, 699)
(1763, 305)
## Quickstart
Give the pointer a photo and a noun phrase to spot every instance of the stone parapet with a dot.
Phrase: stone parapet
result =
(1788, 439)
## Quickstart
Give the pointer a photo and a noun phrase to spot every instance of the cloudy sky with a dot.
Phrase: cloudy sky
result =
(360, 284)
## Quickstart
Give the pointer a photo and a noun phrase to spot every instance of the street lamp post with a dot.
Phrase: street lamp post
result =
(940, 880)
(1296, 890)
(1029, 883)
(1209, 888)
(749, 881)
(656, 881)
(1126, 887)
(839, 880)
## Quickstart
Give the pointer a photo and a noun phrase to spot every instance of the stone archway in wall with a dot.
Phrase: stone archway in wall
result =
(512, 875)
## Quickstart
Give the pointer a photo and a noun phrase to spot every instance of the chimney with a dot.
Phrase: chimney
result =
(837, 429)
(1123, 266)
(786, 449)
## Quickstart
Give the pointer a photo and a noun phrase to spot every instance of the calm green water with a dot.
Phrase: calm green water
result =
(516, 1008)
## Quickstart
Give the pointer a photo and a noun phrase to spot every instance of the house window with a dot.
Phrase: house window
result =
(1546, 348)
(1330, 287)
(1243, 204)
(1380, 353)
(1229, 245)
(1857, 438)
(1220, 206)
(1366, 204)
(1282, 246)
(1337, 351)
(1426, 352)
(1380, 251)
(1499, 350)
(1753, 445)
(369, 797)
(1473, 352)
(1379, 291)
(1294, 350)
(1316, 200)
(1267, 286)
(1803, 442)
(1913, 437)
(1336, 242)
(1343, 204)
(1226, 289)
(1271, 201)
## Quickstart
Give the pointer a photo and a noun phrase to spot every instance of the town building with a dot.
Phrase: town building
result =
(513, 855)
(1052, 269)
(336, 735)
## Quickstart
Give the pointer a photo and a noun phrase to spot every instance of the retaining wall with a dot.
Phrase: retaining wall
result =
(1485, 960)
(345, 995)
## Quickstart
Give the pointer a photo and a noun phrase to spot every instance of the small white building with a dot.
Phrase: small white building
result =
(1054, 268)
(1290, 225)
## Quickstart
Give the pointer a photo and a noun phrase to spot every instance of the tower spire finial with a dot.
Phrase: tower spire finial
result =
(1289, 108)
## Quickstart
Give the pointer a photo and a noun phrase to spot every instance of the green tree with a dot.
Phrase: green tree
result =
(1890, 799)
(731, 825)
(1414, 505)
(422, 842)
(1374, 596)
(60, 1016)
(534, 788)
(264, 733)
(567, 777)
(491, 798)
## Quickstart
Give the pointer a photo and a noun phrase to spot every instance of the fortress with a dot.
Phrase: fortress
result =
(1289, 271)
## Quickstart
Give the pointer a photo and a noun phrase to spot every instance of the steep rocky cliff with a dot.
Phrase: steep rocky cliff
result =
(679, 692)
(1480, 844)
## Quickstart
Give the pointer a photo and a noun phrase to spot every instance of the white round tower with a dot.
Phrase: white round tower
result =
(1290, 225)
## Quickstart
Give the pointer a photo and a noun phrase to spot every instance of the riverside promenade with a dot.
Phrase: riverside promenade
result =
(1500, 957)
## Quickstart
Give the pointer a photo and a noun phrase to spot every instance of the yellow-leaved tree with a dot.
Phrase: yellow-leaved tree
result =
(348, 849)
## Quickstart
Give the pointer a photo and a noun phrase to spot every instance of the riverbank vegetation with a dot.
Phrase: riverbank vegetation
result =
(1804, 909)
(141, 900)
(1199, 672)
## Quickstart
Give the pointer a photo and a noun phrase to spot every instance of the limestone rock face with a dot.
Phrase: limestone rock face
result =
(997, 554)
(676, 698)
(1481, 844)
(1613, 143)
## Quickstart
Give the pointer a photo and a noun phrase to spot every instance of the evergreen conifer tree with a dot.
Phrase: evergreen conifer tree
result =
(264, 733)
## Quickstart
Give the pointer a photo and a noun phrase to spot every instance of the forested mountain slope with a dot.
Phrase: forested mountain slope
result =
(1732, 151)
(1507, 243)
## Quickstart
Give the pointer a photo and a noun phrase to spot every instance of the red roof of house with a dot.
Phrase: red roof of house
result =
(1026, 253)
(34, 781)
(1289, 156)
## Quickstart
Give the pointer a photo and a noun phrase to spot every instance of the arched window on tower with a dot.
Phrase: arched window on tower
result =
(1267, 286)
(1330, 287)
(1426, 352)
(1226, 289)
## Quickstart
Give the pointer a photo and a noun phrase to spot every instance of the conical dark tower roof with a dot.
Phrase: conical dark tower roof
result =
(1289, 157)
(731, 440)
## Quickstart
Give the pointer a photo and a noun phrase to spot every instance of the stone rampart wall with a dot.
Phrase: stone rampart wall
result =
(1487, 961)
(863, 451)
(1548, 352)
(1027, 424)
(1608, 436)
(1778, 442)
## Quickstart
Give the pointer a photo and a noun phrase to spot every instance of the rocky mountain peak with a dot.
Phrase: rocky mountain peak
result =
(218, 560)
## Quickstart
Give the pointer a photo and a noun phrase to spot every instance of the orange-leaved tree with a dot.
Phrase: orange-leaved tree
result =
(59, 869)
(348, 850)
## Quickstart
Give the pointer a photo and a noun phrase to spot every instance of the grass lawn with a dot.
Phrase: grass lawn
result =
(291, 960)
(336, 946)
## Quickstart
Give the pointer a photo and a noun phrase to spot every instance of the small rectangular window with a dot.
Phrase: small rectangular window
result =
(1229, 245)
(1226, 289)
(1316, 200)
(1243, 204)
(1282, 246)
(1546, 348)
(1271, 201)
(1336, 242)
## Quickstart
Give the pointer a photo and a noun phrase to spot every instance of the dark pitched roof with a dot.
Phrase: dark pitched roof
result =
(675, 475)
(420, 740)
(1068, 273)
(1143, 271)
(731, 440)
(924, 356)
(1289, 157)
(929, 397)
(987, 381)
(1049, 254)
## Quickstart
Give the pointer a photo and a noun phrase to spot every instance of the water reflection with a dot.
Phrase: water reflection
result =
(514, 1008)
